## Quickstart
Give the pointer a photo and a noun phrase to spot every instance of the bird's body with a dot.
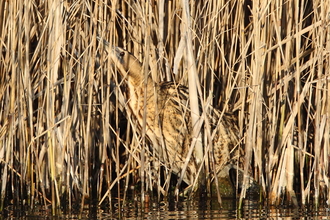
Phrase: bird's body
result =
(167, 118)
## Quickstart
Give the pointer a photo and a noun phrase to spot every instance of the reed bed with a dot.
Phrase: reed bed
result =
(68, 139)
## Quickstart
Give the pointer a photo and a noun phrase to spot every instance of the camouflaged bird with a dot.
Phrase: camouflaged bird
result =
(168, 123)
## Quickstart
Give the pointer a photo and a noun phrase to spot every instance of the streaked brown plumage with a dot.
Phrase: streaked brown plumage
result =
(168, 123)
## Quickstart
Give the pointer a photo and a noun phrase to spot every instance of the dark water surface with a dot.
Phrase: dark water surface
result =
(207, 209)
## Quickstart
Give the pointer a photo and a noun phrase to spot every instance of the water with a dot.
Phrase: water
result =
(207, 209)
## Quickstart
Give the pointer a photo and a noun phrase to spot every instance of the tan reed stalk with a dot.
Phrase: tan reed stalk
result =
(192, 77)
(255, 126)
(326, 151)
(319, 126)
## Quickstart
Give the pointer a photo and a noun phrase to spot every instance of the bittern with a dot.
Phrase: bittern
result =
(168, 117)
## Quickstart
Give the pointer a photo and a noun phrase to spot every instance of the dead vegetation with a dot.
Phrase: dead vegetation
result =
(63, 129)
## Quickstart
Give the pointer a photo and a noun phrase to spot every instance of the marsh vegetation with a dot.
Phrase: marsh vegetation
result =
(67, 137)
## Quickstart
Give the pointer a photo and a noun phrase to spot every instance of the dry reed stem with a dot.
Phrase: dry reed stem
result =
(61, 118)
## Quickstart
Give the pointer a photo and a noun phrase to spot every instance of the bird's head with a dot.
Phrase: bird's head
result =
(125, 62)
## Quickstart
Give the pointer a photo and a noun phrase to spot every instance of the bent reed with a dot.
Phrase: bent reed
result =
(67, 138)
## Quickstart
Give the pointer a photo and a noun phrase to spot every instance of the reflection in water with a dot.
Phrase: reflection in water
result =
(207, 209)
(210, 209)
(204, 209)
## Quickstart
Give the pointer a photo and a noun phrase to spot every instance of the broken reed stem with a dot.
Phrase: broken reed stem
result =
(61, 120)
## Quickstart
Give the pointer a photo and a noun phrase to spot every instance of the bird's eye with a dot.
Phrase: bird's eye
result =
(122, 54)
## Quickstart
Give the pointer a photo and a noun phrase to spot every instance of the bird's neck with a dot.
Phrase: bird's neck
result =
(137, 79)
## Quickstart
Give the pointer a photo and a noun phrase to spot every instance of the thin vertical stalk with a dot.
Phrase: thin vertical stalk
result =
(193, 97)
